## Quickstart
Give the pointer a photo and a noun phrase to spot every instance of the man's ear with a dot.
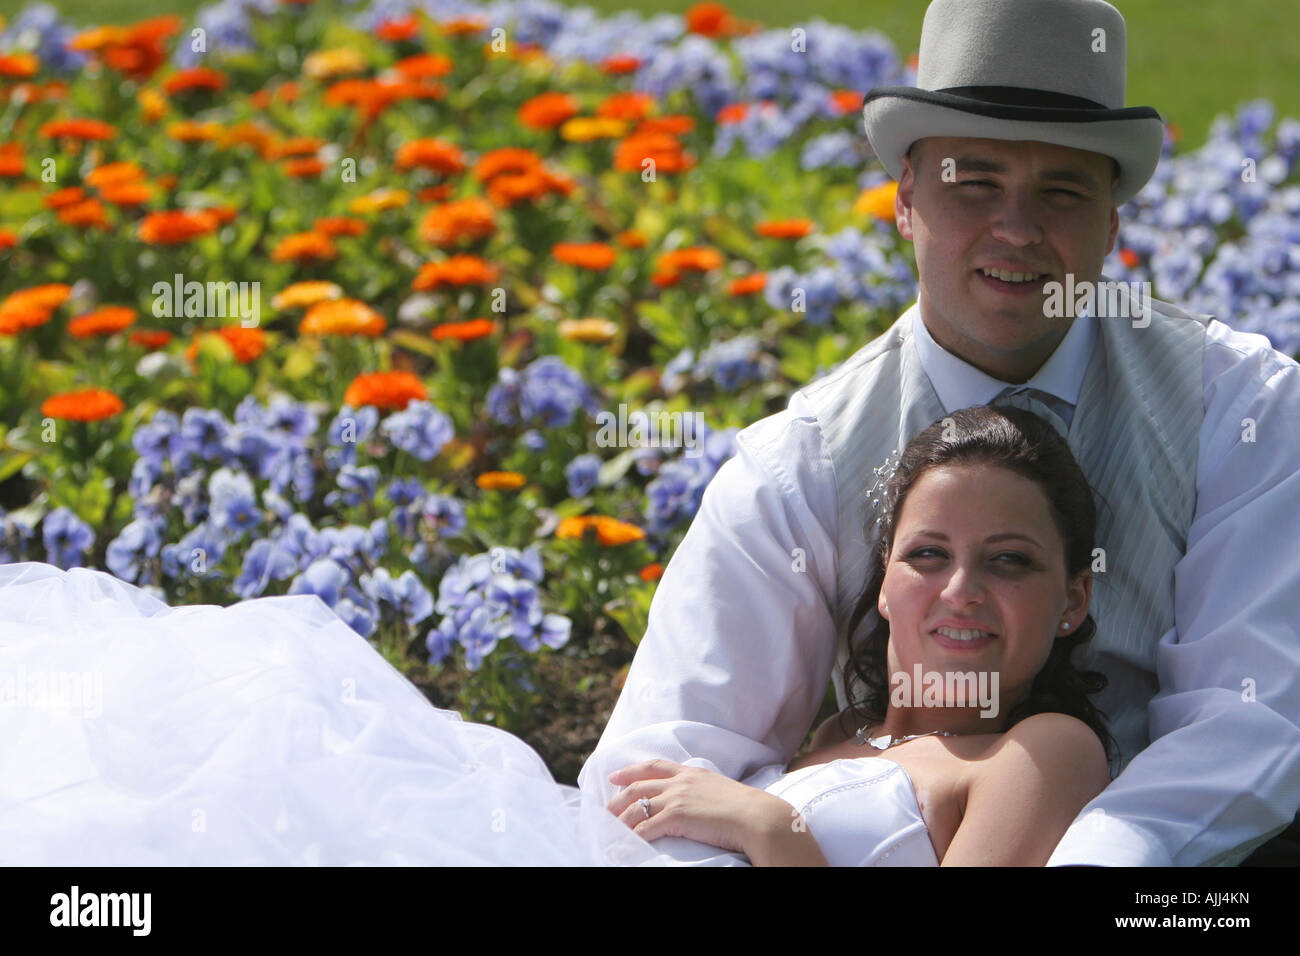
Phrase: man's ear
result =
(1114, 230)
(903, 199)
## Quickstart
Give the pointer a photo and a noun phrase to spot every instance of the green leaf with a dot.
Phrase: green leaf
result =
(663, 325)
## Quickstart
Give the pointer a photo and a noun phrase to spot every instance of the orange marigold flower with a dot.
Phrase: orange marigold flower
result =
(439, 193)
(595, 331)
(631, 239)
(460, 26)
(334, 226)
(19, 65)
(173, 226)
(451, 222)
(135, 50)
(508, 159)
(49, 296)
(222, 214)
(463, 331)
(387, 391)
(609, 531)
(436, 155)
(676, 125)
(710, 20)
(500, 481)
(304, 167)
(251, 134)
(459, 270)
(847, 101)
(395, 31)
(697, 258)
(296, 146)
(878, 201)
(620, 64)
(85, 405)
(547, 110)
(424, 66)
(652, 572)
(11, 159)
(304, 247)
(589, 255)
(127, 194)
(342, 317)
(104, 321)
(77, 129)
(197, 78)
(748, 285)
(191, 131)
(301, 294)
(88, 213)
(631, 106)
(246, 344)
(150, 338)
(663, 149)
(114, 174)
(784, 228)
(1129, 258)
(8, 239)
(510, 188)
(67, 196)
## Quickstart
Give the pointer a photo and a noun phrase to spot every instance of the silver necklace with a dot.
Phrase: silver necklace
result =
(885, 741)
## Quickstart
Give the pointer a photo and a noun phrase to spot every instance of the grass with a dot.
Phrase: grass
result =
(1190, 61)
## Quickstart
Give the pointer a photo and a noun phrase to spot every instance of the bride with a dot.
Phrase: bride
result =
(271, 733)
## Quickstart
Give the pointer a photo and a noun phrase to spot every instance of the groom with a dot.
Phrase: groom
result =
(1012, 156)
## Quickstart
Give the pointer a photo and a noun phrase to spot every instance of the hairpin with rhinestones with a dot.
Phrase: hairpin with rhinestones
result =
(880, 497)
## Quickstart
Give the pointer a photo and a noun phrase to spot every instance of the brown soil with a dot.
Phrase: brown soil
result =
(568, 723)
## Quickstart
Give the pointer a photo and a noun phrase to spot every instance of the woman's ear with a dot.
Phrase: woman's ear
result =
(882, 606)
(1078, 594)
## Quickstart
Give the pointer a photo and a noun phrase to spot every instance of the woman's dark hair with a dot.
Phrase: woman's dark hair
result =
(1025, 444)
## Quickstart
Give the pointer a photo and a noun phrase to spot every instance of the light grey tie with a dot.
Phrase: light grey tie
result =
(1036, 401)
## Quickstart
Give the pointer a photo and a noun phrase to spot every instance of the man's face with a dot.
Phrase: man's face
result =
(971, 205)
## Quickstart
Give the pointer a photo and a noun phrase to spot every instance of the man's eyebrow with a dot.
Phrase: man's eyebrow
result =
(1064, 174)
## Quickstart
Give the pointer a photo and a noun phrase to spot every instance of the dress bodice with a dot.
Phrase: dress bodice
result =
(862, 812)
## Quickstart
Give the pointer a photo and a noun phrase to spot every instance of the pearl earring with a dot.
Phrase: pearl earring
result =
(1065, 624)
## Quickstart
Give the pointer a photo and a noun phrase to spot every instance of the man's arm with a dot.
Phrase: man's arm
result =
(740, 642)
(1222, 772)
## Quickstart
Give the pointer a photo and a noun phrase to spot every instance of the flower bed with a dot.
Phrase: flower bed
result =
(451, 321)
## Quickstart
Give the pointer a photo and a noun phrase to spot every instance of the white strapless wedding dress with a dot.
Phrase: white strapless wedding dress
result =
(270, 733)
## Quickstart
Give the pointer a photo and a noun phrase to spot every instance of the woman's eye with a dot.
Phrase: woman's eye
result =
(927, 553)
(1012, 558)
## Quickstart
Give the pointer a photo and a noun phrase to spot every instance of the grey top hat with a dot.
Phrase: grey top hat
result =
(1045, 70)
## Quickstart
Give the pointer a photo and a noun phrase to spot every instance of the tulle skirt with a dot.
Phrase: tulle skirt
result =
(269, 732)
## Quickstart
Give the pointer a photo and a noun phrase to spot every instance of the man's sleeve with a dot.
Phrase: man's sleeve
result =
(740, 642)
(1222, 772)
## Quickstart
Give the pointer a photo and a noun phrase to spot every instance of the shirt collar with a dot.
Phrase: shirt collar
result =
(960, 385)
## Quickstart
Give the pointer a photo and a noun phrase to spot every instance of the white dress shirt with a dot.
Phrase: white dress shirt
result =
(736, 658)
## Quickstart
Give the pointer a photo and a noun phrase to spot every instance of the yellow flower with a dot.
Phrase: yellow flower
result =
(583, 129)
(385, 197)
(878, 202)
(500, 481)
(153, 103)
(594, 331)
(302, 294)
(341, 61)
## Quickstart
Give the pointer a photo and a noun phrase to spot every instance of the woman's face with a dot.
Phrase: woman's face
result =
(976, 549)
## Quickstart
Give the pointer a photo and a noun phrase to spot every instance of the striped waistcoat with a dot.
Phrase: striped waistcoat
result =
(1135, 434)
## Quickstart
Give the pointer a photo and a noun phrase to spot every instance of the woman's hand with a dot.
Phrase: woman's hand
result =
(698, 804)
